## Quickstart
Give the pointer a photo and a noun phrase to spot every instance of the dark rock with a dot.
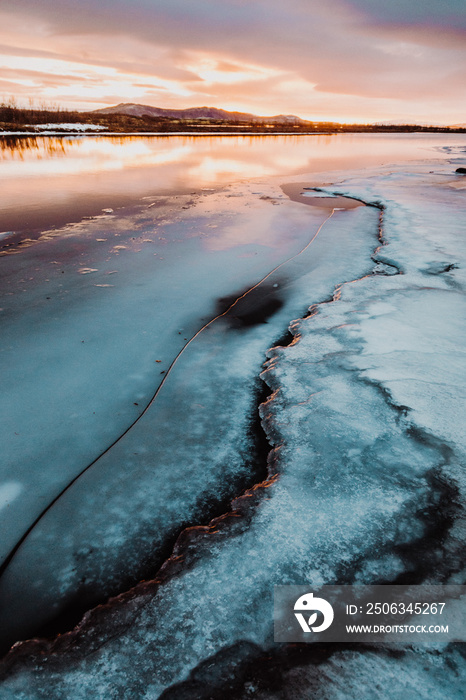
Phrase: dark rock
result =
(461, 170)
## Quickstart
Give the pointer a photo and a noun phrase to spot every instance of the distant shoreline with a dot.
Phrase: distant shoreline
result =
(204, 121)
(69, 132)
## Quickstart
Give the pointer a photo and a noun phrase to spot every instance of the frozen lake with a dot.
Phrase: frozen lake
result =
(144, 282)
(48, 181)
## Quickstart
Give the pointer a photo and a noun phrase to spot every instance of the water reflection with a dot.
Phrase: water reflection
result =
(18, 146)
(48, 181)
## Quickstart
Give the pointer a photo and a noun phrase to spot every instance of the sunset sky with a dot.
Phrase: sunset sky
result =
(342, 60)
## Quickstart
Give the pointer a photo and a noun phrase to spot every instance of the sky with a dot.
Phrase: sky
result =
(324, 60)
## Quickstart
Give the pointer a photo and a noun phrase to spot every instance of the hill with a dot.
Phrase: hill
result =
(137, 110)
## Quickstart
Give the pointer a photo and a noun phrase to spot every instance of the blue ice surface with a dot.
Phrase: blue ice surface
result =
(191, 449)
(368, 436)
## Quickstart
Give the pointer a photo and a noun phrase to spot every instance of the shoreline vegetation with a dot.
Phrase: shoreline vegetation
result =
(27, 121)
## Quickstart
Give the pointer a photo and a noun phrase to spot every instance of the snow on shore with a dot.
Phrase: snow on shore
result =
(52, 128)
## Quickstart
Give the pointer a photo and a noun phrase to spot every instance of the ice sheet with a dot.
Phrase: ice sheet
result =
(191, 451)
(365, 484)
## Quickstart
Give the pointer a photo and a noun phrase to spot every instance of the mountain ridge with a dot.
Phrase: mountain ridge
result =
(138, 110)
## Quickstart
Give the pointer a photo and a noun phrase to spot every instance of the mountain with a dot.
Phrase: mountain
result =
(136, 110)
